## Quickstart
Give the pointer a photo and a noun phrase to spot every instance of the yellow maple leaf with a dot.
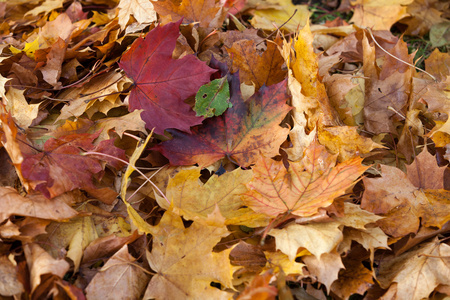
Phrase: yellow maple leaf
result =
(29, 48)
(194, 200)
(184, 262)
(378, 17)
(274, 13)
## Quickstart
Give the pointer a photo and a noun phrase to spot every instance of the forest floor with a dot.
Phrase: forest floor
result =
(235, 149)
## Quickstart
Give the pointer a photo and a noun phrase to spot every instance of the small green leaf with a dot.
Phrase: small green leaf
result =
(213, 98)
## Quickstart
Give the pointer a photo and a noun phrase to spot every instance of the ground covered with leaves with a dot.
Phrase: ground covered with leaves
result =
(234, 149)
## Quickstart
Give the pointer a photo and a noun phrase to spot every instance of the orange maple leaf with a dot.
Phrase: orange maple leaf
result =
(303, 188)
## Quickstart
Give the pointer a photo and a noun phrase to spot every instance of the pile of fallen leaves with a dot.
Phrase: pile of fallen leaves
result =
(223, 149)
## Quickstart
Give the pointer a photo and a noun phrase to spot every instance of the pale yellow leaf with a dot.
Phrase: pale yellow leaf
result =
(325, 269)
(184, 262)
(279, 261)
(46, 7)
(317, 238)
(142, 10)
(137, 220)
(192, 199)
(277, 13)
(22, 112)
(378, 17)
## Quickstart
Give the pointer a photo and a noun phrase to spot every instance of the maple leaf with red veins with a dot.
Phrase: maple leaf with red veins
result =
(61, 167)
(244, 132)
(161, 84)
(307, 185)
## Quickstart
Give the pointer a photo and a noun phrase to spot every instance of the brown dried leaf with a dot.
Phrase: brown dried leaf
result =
(33, 206)
(205, 12)
(353, 279)
(120, 278)
(387, 89)
(425, 173)
(40, 263)
(392, 195)
(9, 285)
(256, 69)
(417, 272)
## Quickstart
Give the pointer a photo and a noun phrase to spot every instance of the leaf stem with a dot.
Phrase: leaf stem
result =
(278, 28)
(105, 87)
(433, 256)
(128, 164)
(137, 190)
(406, 63)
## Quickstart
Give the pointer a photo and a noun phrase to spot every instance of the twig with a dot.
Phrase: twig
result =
(128, 164)
(406, 63)
(273, 32)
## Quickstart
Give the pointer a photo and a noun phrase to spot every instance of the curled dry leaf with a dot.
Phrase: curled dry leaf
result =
(142, 11)
(305, 66)
(105, 246)
(40, 262)
(303, 112)
(100, 94)
(387, 88)
(325, 269)
(425, 173)
(22, 112)
(10, 284)
(353, 279)
(122, 277)
(33, 206)
(74, 236)
(424, 14)
(360, 226)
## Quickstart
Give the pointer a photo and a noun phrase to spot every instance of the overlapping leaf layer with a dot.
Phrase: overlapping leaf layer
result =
(224, 149)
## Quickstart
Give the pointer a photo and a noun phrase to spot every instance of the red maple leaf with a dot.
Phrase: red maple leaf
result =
(161, 84)
(244, 132)
(61, 167)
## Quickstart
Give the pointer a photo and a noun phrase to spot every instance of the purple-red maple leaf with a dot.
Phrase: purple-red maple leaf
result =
(61, 167)
(161, 84)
